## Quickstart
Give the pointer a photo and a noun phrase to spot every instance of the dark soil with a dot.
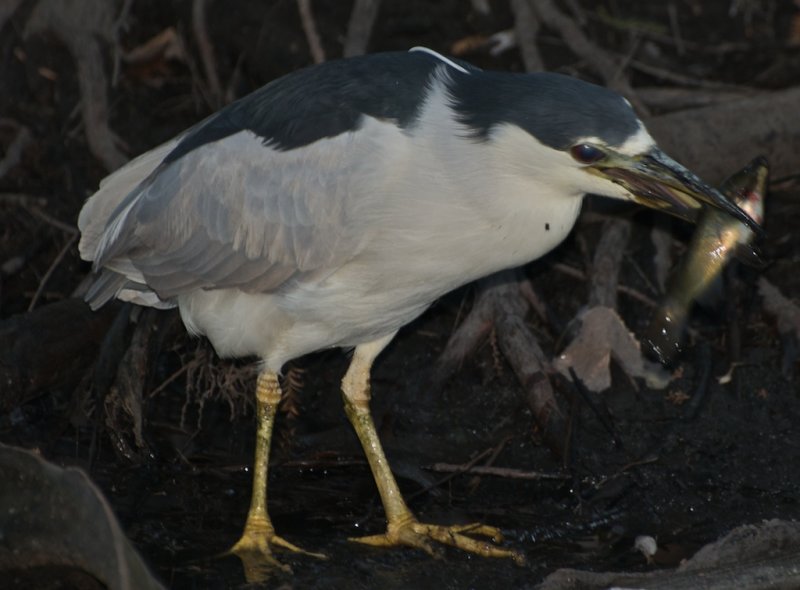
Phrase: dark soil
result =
(683, 470)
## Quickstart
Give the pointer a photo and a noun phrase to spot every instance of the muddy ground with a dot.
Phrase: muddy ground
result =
(684, 465)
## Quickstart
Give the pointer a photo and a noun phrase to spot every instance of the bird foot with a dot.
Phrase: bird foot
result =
(254, 549)
(413, 533)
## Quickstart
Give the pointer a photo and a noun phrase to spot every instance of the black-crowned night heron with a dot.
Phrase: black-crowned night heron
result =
(334, 205)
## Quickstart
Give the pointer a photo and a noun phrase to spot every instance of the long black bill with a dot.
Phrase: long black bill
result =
(659, 182)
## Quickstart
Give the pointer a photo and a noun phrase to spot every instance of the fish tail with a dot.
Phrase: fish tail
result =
(665, 333)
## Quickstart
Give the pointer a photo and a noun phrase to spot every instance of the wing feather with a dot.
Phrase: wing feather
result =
(238, 213)
(267, 190)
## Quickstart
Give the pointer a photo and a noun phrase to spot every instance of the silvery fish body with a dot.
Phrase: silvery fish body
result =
(715, 239)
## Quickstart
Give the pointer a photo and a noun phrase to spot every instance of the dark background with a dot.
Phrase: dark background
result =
(182, 490)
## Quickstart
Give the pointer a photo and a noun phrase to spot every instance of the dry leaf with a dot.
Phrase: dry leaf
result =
(603, 336)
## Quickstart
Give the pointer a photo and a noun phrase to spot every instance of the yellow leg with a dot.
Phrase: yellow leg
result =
(254, 547)
(402, 526)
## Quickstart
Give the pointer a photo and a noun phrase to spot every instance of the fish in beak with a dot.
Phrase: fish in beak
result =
(716, 240)
(659, 182)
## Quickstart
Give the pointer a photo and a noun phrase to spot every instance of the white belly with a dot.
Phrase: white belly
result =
(395, 278)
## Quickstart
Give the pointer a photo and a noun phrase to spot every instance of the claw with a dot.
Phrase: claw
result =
(412, 533)
(254, 549)
(403, 528)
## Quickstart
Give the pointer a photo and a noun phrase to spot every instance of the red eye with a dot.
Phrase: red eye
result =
(586, 154)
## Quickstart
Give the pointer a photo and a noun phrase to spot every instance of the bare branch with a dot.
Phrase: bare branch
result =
(604, 276)
(120, 24)
(73, 238)
(7, 8)
(481, 6)
(206, 52)
(94, 103)
(496, 471)
(310, 29)
(82, 32)
(359, 29)
(526, 29)
(580, 44)
(15, 150)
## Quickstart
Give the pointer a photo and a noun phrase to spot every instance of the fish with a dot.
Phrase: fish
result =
(716, 239)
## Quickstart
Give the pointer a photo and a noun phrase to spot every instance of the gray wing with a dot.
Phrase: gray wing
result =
(231, 213)
(268, 189)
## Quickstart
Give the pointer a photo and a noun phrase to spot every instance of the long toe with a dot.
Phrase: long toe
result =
(255, 553)
(254, 549)
(413, 533)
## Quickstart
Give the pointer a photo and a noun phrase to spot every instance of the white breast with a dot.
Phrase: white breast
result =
(435, 214)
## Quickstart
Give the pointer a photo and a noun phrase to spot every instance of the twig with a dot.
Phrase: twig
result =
(526, 29)
(629, 291)
(521, 349)
(646, 460)
(359, 29)
(476, 481)
(119, 25)
(465, 468)
(481, 6)
(323, 462)
(506, 472)
(668, 39)
(604, 275)
(638, 295)
(544, 311)
(703, 381)
(94, 103)
(642, 275)
(580, 44)
(674, 98)
(73, 238)
(50, 220)
(310, 29)
(577, 11)
(464, 339)
(183, 368)
(167, 43)
(501, 306)
(7, 8)
(34, 206)
(533, 299)
(626, 60)
(206, 52)
(22, 200)
(672, 11)
(15, 150)
(496, 451)
(235, 79)
(602, 417)
(84, 28)
(671, 76)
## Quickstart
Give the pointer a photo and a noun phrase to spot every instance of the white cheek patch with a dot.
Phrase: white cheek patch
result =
(591, 140)
(638, 143)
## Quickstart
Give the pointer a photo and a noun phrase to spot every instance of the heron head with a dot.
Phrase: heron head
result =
(581, 138)
(651, 178)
